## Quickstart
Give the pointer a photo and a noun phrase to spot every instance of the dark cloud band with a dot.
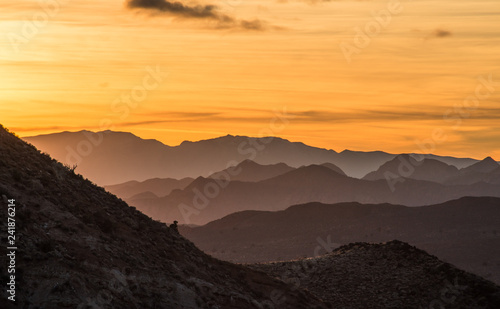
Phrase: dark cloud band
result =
(179, 9)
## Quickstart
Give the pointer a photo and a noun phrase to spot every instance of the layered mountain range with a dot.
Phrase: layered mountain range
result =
(110, 157)
(211, 198)
(487, 171)
(79, 246)
(223, 180)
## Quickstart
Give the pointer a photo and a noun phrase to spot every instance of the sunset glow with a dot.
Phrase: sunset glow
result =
(428, 67)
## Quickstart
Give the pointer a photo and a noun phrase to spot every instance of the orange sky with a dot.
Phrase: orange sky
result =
(422, 64)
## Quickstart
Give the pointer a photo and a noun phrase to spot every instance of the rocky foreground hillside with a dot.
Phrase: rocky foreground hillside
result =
(81, 247)
(388, 275)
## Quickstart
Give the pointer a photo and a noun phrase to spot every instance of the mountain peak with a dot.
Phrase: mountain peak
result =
(348, 151)
(405, 156)
(406, 166)
(490, 160)
(251, 171)
(486, 165)
(248, 163)
(310, 173)
(334, 168)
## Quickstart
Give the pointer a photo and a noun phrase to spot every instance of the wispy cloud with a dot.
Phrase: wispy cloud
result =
(207, 12)
(312, 116)
(179, 9)
(313, 2)
(476, 120)
(441, 33)
(255, 24)
(45, 128)
(438, 33)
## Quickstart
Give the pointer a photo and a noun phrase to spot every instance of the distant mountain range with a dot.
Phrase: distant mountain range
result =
(464, 232)
(157, 187)
(487, 171)
(246, 171)
(208, 199)
(109, 157)
(405, 166)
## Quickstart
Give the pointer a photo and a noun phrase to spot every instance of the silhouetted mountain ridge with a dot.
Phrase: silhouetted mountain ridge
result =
(482, 171)
(158, 186)
(115, 157)
(407, 167)
(205, 199)
(251, 171)
(487, 165)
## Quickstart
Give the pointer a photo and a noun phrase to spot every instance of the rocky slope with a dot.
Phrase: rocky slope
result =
(81, 247)
(389, 275)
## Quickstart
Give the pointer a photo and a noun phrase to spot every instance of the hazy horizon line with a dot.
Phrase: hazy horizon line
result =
(256, 137)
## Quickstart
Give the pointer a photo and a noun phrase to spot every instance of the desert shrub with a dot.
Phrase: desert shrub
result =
(71, 168)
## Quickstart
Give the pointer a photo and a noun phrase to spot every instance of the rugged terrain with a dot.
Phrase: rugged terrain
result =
(81, 247)
(390, 275)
